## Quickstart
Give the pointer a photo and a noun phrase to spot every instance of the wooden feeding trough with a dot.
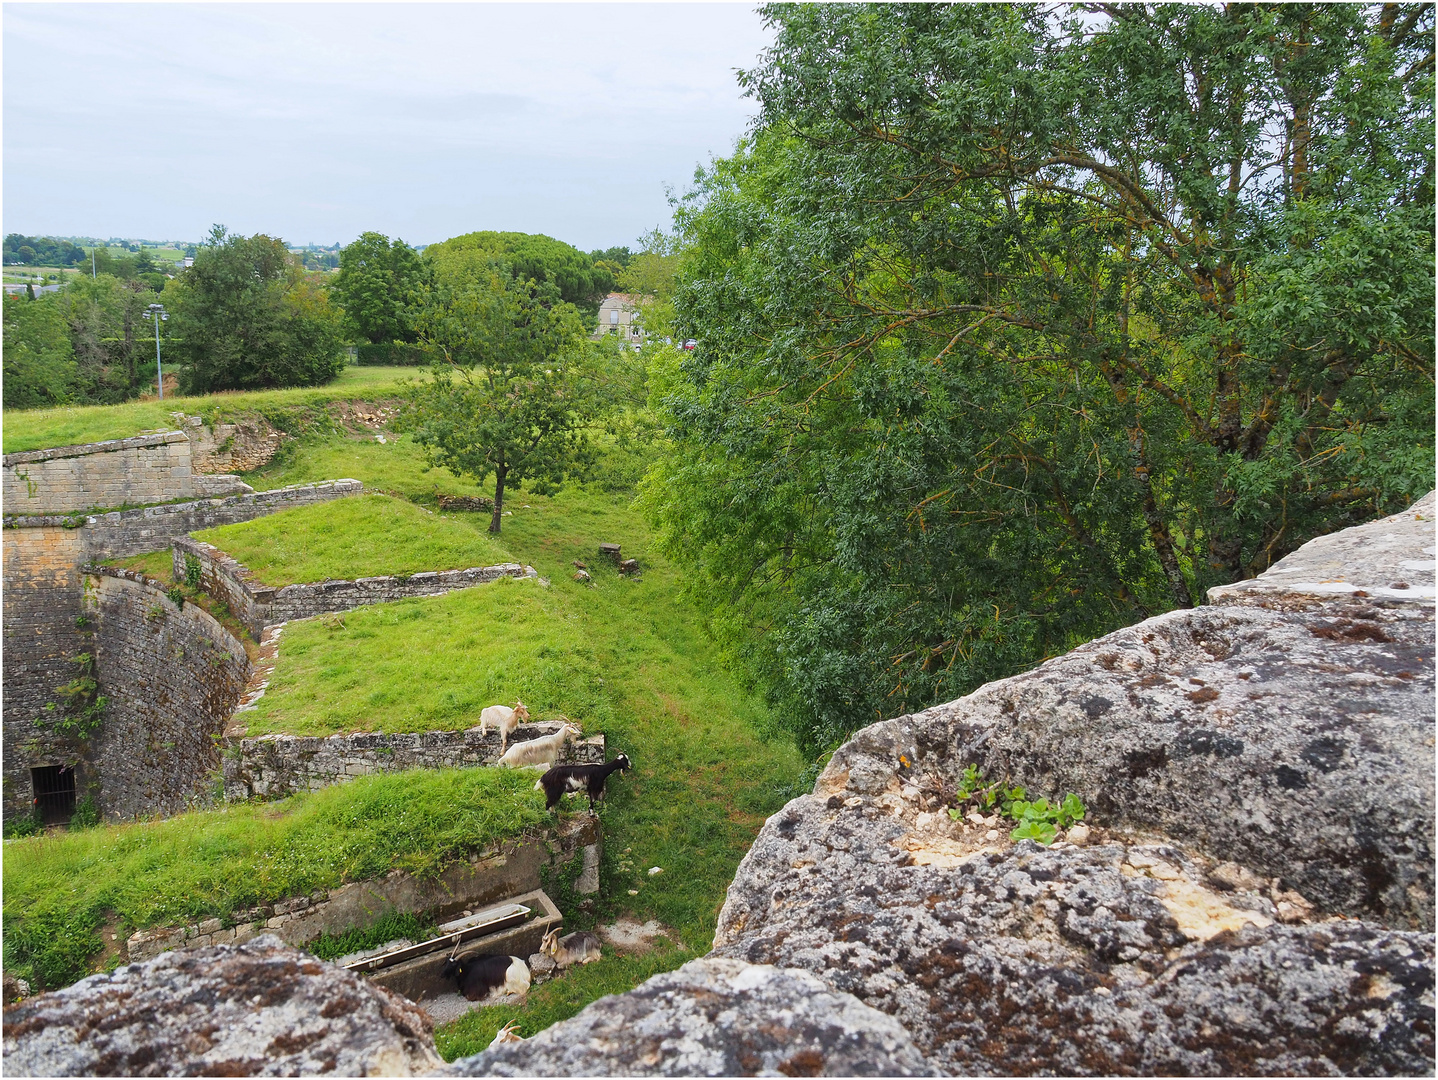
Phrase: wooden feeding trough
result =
(453, 934)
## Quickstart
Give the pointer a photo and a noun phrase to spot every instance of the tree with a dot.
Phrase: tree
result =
(515, 390)
(39, 362)
(378, 286)
(112, 343)
(472, 256)
(1013, 331)
(245, 317)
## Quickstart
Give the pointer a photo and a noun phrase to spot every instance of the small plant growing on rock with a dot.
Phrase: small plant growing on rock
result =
(192, 571)
(1034, 819)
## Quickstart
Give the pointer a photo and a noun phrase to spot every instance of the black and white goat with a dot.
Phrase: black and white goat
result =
(485, 974)
(563, 779)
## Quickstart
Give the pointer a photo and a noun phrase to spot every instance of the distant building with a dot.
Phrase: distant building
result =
(620, 316)
(189, 261)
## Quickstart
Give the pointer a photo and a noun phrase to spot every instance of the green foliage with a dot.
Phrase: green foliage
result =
(245, 317)
(18, 825)
(378, 286)
(82, 708)
(39, 363)
(991, 363)
(176, 596)
(389, 927)
(1034, 819)
(473, 257)
(86, 815)
(396, 353)
(42, 251)
(193, 571)
(58, 888)
(517, 388)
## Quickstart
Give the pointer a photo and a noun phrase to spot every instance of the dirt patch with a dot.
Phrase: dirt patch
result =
(631, 936)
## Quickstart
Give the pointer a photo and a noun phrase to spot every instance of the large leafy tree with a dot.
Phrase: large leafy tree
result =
(378, 286)
(245, 317)
(514, 388)
(1016, 326)
(40, 366)
(580, 279)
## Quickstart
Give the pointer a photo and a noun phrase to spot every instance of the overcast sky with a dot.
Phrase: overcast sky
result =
(316, 122)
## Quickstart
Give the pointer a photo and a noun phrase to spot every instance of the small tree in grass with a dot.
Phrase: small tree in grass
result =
(515, 391)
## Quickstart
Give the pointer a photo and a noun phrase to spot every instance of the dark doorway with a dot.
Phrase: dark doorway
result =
(54, 787)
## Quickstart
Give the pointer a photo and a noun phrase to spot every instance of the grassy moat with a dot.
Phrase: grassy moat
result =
(621, 655)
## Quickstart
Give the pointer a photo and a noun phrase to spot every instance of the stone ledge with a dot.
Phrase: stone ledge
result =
(109, 446)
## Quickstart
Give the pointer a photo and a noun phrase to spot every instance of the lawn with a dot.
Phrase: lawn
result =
(35, 429)
(59, 889)
(363, 536)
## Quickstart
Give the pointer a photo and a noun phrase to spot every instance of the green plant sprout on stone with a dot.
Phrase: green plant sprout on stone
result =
(83, 709)
(1035, 819)
(192, 571)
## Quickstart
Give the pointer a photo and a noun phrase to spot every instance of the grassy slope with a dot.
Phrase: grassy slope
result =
(351, 538)
(703, 779)
(59, 888)
(35, 429)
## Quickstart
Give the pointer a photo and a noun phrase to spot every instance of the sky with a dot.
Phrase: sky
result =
(316, 122)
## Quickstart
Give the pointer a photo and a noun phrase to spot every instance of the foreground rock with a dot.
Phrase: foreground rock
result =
(257, 1009)
(714, 1017)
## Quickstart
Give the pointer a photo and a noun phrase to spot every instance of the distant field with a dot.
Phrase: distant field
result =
(35, 429)
(349, 538)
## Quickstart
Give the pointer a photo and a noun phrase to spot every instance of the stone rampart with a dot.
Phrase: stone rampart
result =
(258, 605)
(172, 676)
(119, 472)
(43, 561)
(274, 766)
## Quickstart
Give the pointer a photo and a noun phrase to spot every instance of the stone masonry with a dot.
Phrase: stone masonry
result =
(274, 766)
(257, 605)
(43, 631)
(120, 472)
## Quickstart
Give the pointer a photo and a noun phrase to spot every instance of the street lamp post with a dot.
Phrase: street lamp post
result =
(158, 312)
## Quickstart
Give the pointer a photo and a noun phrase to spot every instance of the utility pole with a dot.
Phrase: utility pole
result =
(92, 264)
(158, 312)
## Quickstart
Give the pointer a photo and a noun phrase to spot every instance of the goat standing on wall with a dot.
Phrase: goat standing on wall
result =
(504, 720)
(541, 751)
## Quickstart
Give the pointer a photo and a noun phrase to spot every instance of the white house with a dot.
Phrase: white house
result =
(621, 315)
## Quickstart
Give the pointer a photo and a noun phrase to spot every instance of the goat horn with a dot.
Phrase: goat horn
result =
(455, 951)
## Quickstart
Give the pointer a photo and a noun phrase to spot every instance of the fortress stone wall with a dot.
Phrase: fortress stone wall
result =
(44, 557)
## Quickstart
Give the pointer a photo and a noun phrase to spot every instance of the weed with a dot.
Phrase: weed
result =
(394, 925)
(193, 570)
(83, 709)
(86, 815)
(176, 596)
(1035, 819)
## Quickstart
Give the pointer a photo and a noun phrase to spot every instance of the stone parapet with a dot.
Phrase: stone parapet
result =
(275, 766)
(258, 605)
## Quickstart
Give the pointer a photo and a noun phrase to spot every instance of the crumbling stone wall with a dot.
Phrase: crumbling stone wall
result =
(274, 766)
(257, 605)
(118, 472)
(233, 447)
(172, 676)
(43, 560)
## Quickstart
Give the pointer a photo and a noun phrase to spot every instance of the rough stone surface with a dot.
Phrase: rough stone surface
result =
(256, 1009)
(714, 1017)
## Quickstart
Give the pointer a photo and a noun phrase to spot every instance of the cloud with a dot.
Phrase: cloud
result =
(322, 120)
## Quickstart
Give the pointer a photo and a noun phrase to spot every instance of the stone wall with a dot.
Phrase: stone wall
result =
(258, 605)
(43, 560)
(172, 676)
(490, 877)
(241, 446)
(274, 766)
(120, 472)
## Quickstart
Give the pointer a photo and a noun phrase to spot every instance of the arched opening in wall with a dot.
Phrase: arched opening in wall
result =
(54, 787)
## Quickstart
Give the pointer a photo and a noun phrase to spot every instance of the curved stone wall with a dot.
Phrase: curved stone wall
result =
(172, 676)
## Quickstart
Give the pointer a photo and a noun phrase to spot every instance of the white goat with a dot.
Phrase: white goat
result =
(507, 1034)
(580, 948)
(503, 719)
(540, 751)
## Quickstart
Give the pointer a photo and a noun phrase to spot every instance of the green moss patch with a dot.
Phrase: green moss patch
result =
(362, 536)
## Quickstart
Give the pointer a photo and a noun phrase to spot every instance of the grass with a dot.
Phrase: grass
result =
(395, 466)
(36, 429)
(58, 889)
(433, 664)
(364, 536)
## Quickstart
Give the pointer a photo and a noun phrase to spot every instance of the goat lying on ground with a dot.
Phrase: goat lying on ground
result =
(481, 975)
(503, 719)
(540, 751)
(586, 778)
(580, 948)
